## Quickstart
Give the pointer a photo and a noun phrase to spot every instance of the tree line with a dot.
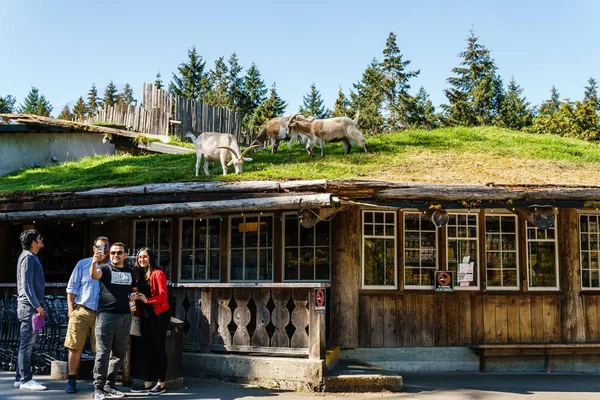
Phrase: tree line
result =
(476, 96)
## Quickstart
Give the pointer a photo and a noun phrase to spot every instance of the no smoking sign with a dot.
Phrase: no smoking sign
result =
(320, 300)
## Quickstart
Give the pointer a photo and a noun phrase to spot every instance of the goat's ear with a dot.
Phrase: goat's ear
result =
(247, 159)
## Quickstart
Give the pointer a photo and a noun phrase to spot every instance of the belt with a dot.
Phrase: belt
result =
(89, 309)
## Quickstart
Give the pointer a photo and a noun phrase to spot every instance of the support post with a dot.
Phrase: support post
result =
(316, 330)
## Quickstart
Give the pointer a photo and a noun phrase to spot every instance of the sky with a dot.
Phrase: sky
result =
(62, 47)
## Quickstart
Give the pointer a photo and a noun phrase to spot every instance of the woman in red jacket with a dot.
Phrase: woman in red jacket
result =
(155, 318)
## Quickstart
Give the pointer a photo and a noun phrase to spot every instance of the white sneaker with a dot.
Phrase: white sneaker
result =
(32, 385)
(17, 385)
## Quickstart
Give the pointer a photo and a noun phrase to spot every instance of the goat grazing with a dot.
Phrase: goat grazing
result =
(275, 130)
(321, 131)
(219, 147)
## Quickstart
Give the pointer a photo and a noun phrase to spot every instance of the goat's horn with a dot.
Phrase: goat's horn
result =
(231, 150)
(248, 149)
(293, 117)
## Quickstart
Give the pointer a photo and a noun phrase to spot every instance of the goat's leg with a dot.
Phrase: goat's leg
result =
(198, 159)
(274, 145)
(346, 145)
(224, 162)
(206, 166)
(322, 143)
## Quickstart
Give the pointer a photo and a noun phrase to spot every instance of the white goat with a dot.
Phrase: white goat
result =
(275, 130)
(218, 147)
(321, 131)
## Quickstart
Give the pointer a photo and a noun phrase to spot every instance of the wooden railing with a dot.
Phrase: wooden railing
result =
(252, 318)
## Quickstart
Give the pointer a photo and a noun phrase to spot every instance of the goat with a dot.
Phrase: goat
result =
(321, 131)
(275, 130)
(218, 147)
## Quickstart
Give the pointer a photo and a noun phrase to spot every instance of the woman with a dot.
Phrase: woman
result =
(155, 318)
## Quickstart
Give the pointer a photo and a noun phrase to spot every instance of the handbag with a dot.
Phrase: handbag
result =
(136, 326)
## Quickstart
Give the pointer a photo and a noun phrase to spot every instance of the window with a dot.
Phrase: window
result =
(420, 258)
(379, 250)
(463, 250)
(542, 258)
(200, 249)
(155, 234)
(501, 252)
(251, 248)
(589, 232)
(306, 251)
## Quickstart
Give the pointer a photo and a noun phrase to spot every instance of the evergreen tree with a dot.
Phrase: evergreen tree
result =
(219, 85)
(341, 108)
(35, 104)
(421, 112)
(80, 109)
(192, 82)
(254, 90)
(476, 90)
(591, 94)
(579, 120)
(235, 91)
(313, 104)
(515, 111)
(550, 106)
(126, 96)
(110, 95)
(93, 102)
(66, 113)
(276, 103)
(7, 104)
(395, 84)
(158, 81)
(272, 107)
(368, 99)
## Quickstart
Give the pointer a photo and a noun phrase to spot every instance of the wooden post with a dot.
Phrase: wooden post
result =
(207, 318)
(316, 330)
(572, 313)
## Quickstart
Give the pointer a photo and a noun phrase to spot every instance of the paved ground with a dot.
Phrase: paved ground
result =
(426, 386)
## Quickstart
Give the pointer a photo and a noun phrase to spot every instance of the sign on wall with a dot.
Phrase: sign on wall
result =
(320, 301)
(444, 281)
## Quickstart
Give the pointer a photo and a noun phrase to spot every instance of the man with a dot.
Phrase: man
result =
(82, 296)
(113, 319)
(30, 299)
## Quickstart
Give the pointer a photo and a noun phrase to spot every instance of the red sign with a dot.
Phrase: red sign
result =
(320, 300)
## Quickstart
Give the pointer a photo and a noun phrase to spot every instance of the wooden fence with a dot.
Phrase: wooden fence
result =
(162, 113)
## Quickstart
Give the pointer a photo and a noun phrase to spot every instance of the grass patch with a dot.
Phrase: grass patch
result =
(449, 155)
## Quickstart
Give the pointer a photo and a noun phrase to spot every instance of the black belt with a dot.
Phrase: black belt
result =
(89, 309)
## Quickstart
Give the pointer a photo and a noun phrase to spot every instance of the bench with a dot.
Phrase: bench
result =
(533, 349)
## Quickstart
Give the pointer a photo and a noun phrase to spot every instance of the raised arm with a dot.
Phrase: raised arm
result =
(96, 273)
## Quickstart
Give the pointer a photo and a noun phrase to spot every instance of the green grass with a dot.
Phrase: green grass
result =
(385, 151)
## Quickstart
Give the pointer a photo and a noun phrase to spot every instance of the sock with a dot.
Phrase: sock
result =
(72, 377)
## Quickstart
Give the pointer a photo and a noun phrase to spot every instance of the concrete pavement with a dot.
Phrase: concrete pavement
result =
(427, 386)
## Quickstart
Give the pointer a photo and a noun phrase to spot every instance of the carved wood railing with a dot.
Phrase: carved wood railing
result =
(255, 318)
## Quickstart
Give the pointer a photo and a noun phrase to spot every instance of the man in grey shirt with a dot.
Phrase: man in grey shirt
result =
(30, 302)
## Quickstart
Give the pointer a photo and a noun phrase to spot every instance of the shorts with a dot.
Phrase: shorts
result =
(81, 322)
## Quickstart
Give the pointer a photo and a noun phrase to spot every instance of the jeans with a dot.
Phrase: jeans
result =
(112, 337)
(27, 342)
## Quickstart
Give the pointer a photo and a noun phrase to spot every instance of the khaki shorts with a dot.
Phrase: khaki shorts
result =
(81, 321)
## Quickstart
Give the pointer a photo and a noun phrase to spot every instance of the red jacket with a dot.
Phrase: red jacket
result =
(158, 291)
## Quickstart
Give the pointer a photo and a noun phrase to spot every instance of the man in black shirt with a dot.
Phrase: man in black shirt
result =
(113, 319)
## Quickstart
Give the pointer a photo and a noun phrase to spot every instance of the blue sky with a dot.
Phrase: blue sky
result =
(61, 47)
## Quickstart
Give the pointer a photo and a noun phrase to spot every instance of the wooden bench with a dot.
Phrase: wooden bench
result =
(531, 349)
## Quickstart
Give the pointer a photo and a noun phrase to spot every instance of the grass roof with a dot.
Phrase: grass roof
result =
(450, 155)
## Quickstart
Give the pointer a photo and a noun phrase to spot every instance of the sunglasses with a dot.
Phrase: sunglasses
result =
(116, 253)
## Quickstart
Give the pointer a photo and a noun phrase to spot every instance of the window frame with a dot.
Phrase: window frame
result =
(556, 257)
(193, 249)
(404, 249)
(314, 247)
(587, 213)
(259, 215)
(517, 250)
(477, 265)
(394, 238)
(157, 252)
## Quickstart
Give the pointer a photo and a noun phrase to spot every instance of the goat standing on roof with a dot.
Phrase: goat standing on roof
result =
(218, 147)
(276, 130)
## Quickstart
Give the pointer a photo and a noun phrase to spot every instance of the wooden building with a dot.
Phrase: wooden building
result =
(246, 259)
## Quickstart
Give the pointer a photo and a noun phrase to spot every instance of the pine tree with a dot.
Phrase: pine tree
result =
(66, 113)
(272, 107)
(254, 90)
(218, 78)
(35, 104)
(515, 111)
(158, 82)
(276, 103)
(476, 92)
(550, 106)
(80, 109)
(341, 108)
(192, 82)
(93, 102)
(395, 84)
(368, 99)
(235, 91)
(421, 112)
(591, 94)
(313, 104)
(7, 104)
(110, 95)
(126, 96)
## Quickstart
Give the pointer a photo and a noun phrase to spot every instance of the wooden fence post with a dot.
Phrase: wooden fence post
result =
(316, 330)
